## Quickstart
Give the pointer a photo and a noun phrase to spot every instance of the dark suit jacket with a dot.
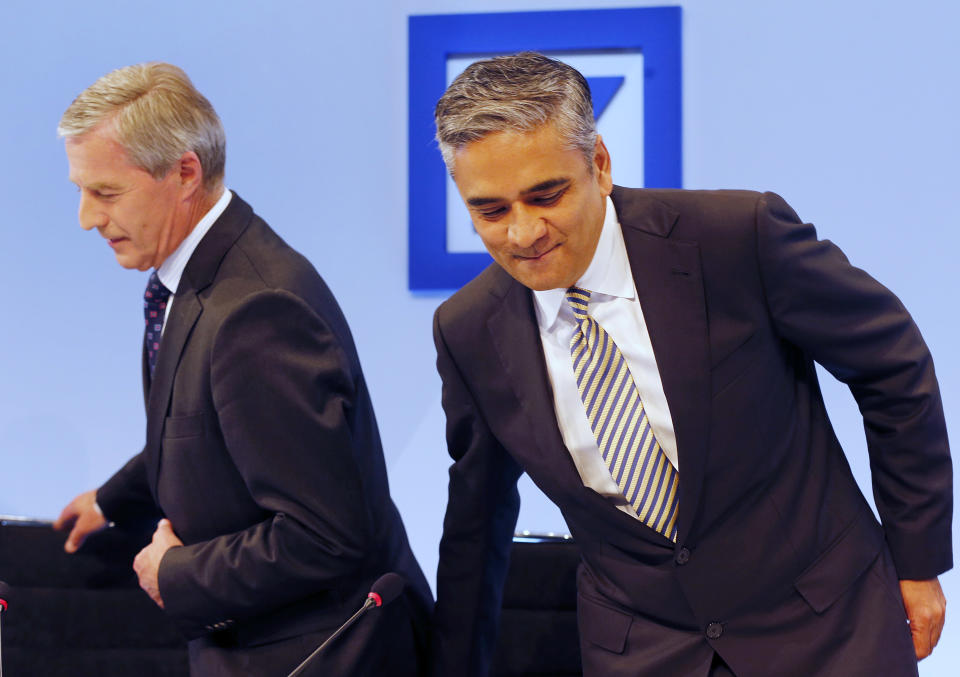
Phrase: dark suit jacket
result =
(263, 451)
(780, 565)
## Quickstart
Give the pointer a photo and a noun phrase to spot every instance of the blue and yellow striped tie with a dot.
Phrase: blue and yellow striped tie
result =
(619, 423)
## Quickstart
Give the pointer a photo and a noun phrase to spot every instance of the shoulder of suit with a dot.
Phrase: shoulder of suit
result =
(258, 260)
(479, 297)
(270, 257)
(646, 199)
(690, 214)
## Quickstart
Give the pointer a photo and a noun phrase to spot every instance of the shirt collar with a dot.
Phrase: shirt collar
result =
(607, 275)
(171, 270)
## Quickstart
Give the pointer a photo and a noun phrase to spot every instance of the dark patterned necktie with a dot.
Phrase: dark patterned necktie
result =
(154, 309)
(619, 422)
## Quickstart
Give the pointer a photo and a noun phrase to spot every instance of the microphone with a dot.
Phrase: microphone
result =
(4, 593)
(386, 589)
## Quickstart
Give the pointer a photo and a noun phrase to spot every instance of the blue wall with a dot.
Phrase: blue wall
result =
(848, 108)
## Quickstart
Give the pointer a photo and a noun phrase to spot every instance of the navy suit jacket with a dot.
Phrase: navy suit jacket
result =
(263, 451)
(780, 566)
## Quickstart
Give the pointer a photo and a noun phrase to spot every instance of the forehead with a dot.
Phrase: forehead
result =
(506, 163)
(96, 157)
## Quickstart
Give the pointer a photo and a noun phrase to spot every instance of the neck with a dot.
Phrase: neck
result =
(194, 211)
(205, 203)
(198, 208)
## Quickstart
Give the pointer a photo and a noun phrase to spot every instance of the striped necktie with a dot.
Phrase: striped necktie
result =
(620, 425)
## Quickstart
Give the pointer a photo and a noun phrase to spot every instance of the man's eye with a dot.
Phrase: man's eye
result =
(492, 213)
(546, 200)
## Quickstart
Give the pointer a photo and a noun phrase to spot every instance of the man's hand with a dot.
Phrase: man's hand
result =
(926, 609)
(82, 517)
(147, 561)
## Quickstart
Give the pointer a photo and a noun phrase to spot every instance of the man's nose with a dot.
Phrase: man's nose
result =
(527, 227)
(90, 214)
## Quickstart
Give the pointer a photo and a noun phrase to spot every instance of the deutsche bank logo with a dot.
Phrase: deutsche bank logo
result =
(630, 57)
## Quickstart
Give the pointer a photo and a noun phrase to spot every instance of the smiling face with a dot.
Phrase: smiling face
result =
(143, 219)
(537, 205)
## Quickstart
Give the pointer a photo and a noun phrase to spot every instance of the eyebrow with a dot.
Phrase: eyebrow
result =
(100, 185)
(540, 187)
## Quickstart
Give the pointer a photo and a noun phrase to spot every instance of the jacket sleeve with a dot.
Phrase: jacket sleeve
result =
(860, 332)
(125, 498)
(283, 391)
(482, 508)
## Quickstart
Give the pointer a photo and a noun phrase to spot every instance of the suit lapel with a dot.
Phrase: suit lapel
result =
(145, 370)
(515, 334)
(184, 315)
(669, 285)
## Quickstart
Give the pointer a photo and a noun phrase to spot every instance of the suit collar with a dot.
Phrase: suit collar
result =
(202, 266)
(639, 210)
(171, 270)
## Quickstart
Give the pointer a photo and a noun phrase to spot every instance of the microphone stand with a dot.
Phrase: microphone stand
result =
(368, 604)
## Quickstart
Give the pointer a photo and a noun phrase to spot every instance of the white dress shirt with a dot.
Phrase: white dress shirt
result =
(171, 270)
(614, 304)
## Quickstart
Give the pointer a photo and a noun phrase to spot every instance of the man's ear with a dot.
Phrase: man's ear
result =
(191, 173)
(601, 166)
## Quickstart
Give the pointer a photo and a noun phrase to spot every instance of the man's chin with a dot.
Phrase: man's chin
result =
(539, 282)
(130, 263)
(540, 274)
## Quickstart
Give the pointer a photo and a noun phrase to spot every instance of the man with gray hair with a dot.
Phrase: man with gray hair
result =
(262, 468)
(647, 357)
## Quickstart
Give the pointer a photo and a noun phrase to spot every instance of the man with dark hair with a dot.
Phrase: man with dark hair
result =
(647, 357)
(262, 460)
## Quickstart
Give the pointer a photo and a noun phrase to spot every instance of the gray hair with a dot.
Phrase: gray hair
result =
(157, 115)
(520, 93)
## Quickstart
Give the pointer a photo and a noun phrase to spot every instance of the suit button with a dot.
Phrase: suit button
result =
(714, 630)
(683, 556)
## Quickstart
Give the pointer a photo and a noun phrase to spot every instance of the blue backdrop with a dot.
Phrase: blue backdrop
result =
(848, 109)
